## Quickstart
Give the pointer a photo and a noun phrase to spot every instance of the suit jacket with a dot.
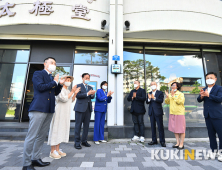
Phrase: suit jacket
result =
(44, 92)
(156, 105)
(101, 101)
(83, 100)
(137, 104)
(212, 104)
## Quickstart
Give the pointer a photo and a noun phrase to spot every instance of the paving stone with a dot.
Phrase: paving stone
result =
(79, 155)
(87, 164)
(100, 155)
(110, 156)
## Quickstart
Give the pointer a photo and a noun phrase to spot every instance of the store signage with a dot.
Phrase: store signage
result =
(45, 8)
(116, 58)
(6, 11)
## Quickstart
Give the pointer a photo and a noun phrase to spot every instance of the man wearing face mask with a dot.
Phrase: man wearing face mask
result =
(40, 113)
(212, 98)
(137, 97)
(155, 100)
(83, 110)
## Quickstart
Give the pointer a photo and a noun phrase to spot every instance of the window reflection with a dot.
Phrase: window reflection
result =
(12, 79)
(165, 66)
(14, 55)
(91, 55)
(133, 69)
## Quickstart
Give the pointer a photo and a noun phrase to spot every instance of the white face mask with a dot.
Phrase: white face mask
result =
(135, 86)
(210, 81)
(153, 87)
(104, 87)
(67, 84)
(52, 68)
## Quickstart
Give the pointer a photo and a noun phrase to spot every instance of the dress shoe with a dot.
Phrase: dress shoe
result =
(180, 148)
(152, 143)
(30, 167)
(175, 146)
(86, 144)
(39, 163)
(163, 144)
(78, 146)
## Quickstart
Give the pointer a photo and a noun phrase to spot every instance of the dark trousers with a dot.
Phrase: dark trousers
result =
(159, 120)
(138, 124)
(214, 126)
(82, 118)
(99, 126)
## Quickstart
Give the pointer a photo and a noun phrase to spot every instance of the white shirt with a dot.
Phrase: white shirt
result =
(209, 89)
(153, 92)
(50, 73)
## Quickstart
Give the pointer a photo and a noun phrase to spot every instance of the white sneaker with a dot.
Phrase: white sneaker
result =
(219, 158)
(135, 138)
(142, 139)
(103, 141)
(97, 142)
(54, 155)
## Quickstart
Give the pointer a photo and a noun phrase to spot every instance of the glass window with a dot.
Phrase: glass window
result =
(14, 55)
(186, 67)
(133, 67)
(213, 63)
(12, 79)
(91, 55)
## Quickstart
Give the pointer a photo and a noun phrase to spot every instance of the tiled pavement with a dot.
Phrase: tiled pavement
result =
(121, 155)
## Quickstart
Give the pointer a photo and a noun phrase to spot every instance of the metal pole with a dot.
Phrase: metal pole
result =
(144, 60)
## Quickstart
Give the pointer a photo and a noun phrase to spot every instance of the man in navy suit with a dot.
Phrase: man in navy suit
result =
(40, 113)
(155, 100)
(137, 97)
(83, 110)
(212, 98)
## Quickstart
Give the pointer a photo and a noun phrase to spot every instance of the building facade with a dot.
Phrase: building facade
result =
(157, 40)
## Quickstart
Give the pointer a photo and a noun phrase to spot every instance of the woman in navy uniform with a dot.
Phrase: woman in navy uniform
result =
(102, 98)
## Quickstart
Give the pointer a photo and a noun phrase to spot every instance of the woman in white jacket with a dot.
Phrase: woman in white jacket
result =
(60, 124)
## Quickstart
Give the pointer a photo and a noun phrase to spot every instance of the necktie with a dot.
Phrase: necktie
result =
(86, 88)
(50, 76)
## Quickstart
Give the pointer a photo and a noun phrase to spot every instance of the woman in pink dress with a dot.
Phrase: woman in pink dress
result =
(177, 122)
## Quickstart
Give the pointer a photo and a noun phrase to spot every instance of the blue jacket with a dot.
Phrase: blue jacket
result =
(212, 104)
(156, 105)
(44, 92)
(137, 104)
(101, 101)
(83, 100)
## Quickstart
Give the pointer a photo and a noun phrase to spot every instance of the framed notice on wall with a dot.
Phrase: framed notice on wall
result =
(116, 69)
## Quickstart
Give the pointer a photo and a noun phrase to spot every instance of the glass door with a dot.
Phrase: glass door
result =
(29, 93)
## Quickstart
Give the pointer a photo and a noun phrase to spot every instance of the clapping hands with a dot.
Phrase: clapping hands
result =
(167, 94)
(204, 93)
(91, 92)
(110, 93)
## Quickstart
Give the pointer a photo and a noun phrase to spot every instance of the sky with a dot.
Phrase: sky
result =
(172, 66)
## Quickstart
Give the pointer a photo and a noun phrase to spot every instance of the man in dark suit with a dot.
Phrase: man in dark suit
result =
(212, 98)
(155, 100)
(40, 113)
(83, 109)
(137, 97)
